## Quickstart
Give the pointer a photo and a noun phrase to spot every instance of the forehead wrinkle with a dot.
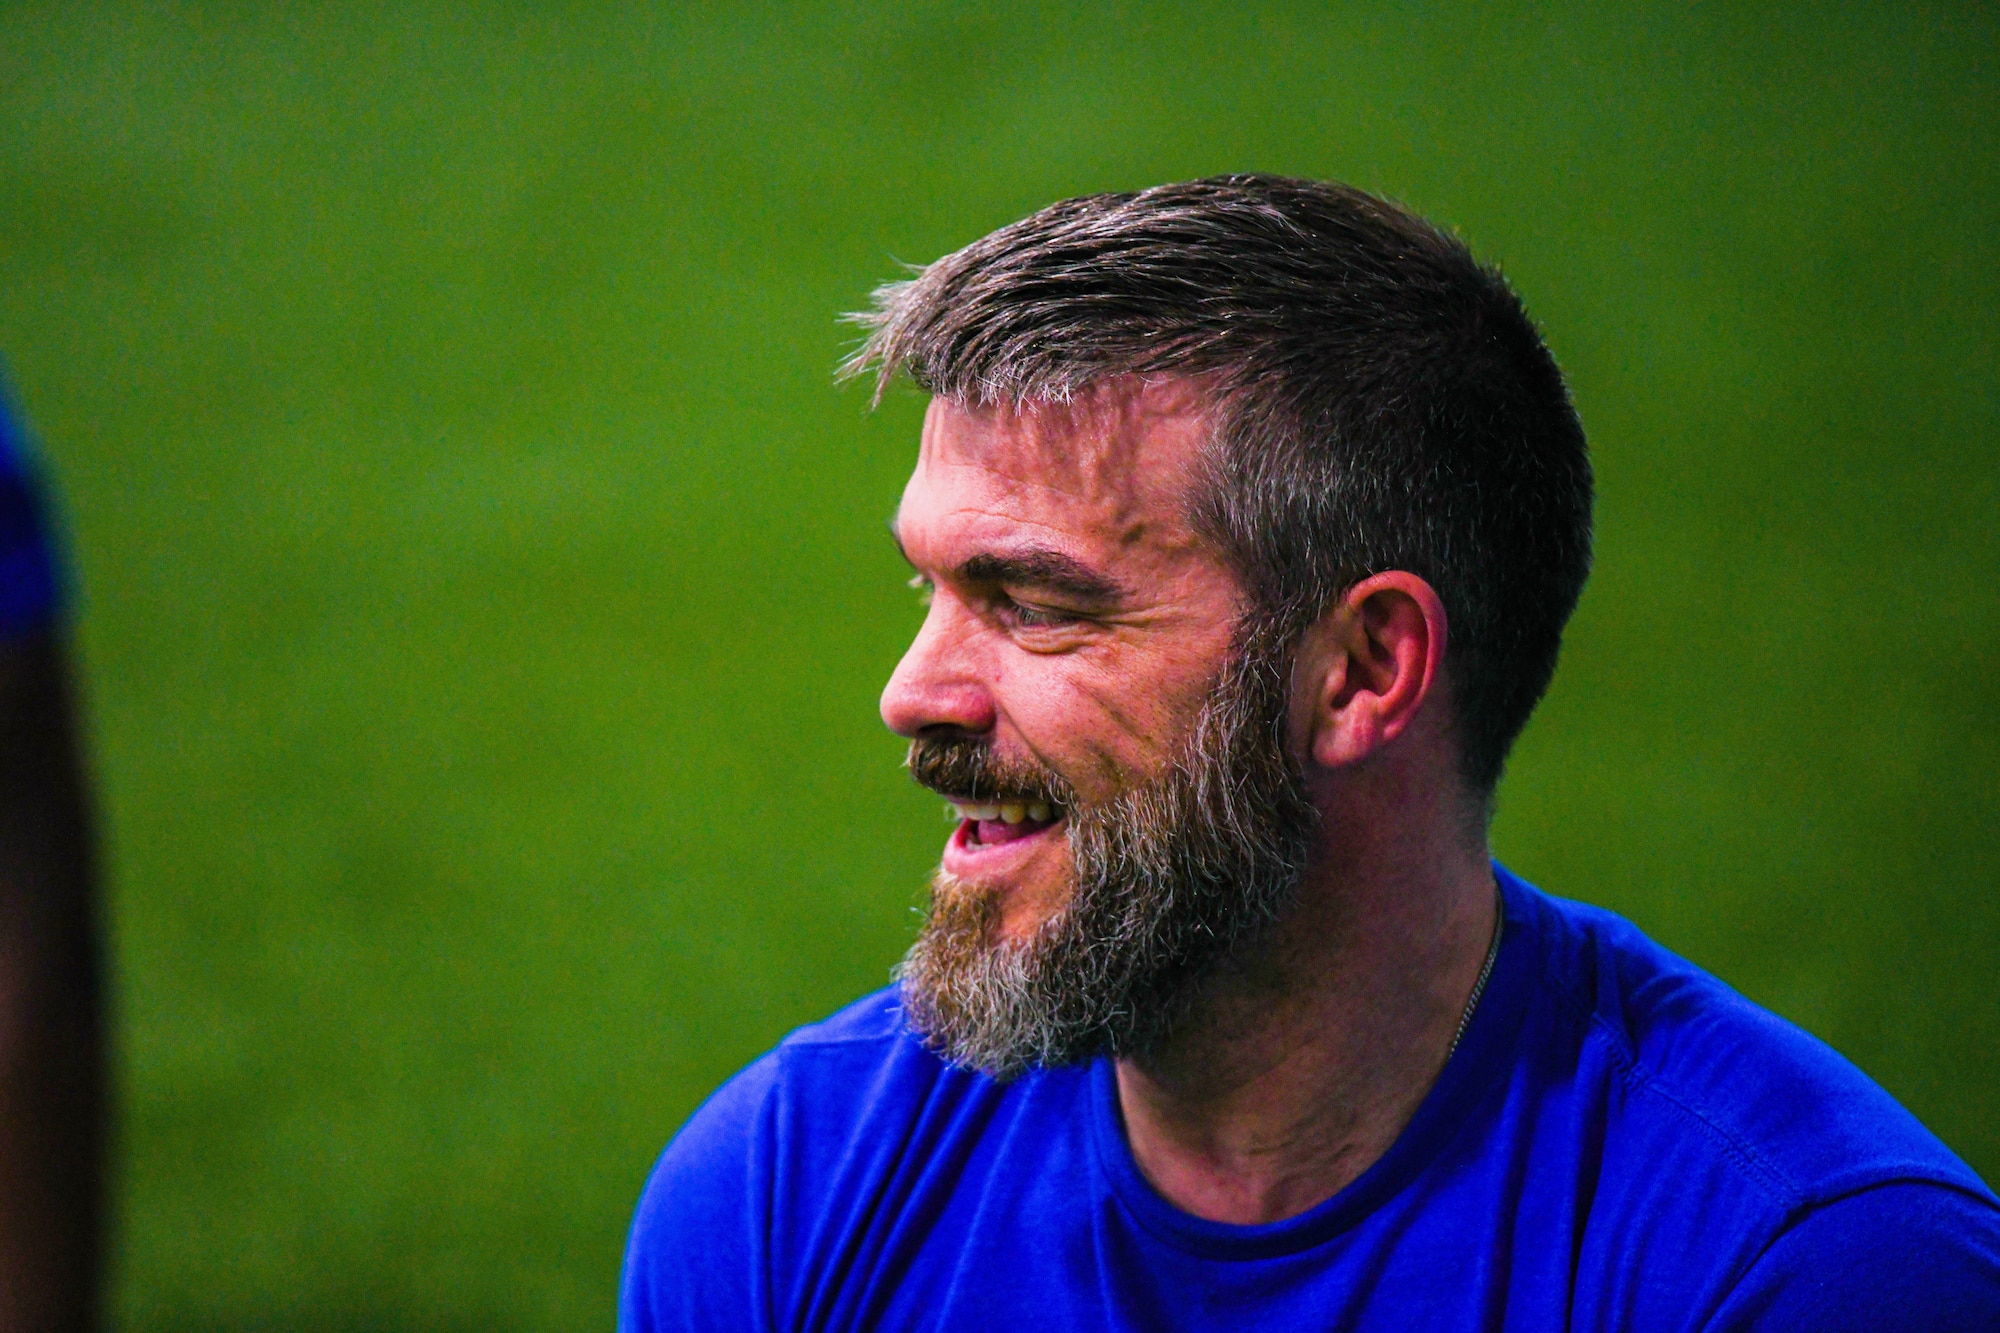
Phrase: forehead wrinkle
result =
(1110, 508)
(1092, 449)
(1117, 516)
(1060, 540)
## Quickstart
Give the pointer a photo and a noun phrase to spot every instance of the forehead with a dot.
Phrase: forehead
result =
(1105, 475)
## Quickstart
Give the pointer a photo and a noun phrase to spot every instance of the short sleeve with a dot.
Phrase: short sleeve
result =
(1910, 1255)
(698, 1257)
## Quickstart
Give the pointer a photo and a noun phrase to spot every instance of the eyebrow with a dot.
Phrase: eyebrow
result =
(1038, 567)
(1041, 568)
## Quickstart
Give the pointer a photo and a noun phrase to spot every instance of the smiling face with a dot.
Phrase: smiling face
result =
(1076, 620)
(1129, 812)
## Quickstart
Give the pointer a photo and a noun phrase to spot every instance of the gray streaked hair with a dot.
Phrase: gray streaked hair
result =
(1381, 401)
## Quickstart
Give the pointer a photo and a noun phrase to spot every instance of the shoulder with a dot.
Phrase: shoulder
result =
(872, 1020)
(857, 1060)
(1699, 1061)
(798, 1131)
(1741, 1166)
(1913, 1255)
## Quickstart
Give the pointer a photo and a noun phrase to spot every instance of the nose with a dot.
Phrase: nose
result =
(938, 685)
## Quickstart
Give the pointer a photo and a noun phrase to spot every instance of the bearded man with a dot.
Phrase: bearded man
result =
(1249, 513)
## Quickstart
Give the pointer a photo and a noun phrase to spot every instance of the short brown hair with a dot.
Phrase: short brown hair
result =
(1383, 401)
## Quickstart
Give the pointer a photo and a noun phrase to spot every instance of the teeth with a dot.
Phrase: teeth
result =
(1011, 812)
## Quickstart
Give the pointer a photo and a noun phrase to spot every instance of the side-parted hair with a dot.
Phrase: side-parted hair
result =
(1381, 401)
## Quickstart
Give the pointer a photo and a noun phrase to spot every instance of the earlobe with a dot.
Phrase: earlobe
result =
(1370, 665)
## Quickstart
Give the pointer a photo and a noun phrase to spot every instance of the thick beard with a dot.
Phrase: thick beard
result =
(1172, 878)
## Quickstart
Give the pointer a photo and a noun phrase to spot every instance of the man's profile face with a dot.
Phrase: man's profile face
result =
(1075, 620)
(1082, 690)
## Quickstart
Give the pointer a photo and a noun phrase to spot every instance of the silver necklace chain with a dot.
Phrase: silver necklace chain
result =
(1485, 971)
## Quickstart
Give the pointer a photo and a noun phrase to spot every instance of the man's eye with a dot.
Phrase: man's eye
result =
(1038, 617)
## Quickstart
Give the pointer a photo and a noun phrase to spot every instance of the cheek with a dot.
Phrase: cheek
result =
(1099, 727)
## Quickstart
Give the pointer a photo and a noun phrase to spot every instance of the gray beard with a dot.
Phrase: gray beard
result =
(1172, 878)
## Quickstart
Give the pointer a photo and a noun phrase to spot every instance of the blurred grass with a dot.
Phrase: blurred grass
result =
(484, 592)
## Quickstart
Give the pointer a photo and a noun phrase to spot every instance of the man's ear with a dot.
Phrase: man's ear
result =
(1366, 668)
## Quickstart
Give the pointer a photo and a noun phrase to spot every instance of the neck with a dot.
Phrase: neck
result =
(1300, 1067)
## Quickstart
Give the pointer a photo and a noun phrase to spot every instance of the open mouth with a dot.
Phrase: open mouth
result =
(991, 823)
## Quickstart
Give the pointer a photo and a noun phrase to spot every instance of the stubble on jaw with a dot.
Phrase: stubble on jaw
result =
(1173, 878)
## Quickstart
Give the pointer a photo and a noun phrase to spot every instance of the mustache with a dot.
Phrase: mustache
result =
(966, 768)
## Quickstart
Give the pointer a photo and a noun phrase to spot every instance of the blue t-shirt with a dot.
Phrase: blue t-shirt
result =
(1620, 1142)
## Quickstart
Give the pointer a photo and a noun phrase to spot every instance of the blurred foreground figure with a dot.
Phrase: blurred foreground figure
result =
(1249, 513)
(51, 1018)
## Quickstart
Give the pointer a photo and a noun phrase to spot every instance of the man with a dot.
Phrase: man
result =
(51, 1019)
(1250, 512)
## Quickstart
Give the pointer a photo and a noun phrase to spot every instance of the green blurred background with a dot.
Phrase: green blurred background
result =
(484, 591)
